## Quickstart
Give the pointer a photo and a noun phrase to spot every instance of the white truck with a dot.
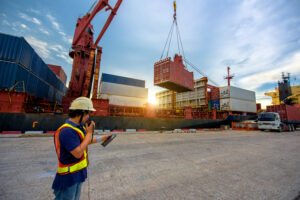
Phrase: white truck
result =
(280, 118)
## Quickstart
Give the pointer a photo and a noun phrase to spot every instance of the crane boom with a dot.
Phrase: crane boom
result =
(84, 50)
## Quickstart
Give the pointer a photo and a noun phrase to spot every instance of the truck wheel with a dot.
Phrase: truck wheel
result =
(293, 128)
(280, 129)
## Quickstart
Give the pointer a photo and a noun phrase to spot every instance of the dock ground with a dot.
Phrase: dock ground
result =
(217, 165)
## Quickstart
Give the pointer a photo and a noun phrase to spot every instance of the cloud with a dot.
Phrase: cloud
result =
(24, 26)
(36, 21)
(65, 57)
(4, 15)
(290, 64)
(62, 33)
(44, 31)
(40, 46)
(30, 19)
(57, 26)
(53, 21)
(57, 48)
(4, 21)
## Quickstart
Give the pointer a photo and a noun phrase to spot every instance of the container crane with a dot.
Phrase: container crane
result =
(85, 63)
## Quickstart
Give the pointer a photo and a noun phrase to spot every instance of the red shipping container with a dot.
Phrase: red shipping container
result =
(172, 75)
(208, 96)
(59, 72)
(286, 112)
(258, 107)
(101, 106)
(215, 93)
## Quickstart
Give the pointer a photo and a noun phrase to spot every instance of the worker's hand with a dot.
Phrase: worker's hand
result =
(104, 137)
(90, 127)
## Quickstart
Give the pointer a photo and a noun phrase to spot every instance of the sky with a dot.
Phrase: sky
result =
(258, 39)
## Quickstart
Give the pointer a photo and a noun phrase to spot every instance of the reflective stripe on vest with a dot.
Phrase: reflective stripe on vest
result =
(72, 167)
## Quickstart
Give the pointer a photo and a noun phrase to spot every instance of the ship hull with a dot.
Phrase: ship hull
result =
(50, 122)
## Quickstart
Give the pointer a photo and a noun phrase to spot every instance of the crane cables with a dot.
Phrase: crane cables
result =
(180, 46)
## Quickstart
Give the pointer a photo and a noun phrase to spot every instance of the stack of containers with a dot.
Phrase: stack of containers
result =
(19, 63)
(123, 91)
(214, 98)
(237, 99)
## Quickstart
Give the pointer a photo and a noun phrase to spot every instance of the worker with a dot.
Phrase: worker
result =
(71, 141)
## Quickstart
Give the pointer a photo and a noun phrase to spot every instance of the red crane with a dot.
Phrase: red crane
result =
(85, 63)
(229, 76)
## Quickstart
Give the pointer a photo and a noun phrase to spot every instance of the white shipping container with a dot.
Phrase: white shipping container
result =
(125, 101)
(123, 90)
(231, 104)
(237, 93)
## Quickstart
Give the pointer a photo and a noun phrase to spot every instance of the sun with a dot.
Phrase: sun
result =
(151, 97)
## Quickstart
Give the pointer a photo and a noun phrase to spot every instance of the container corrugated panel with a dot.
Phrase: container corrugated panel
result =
(215, 93)
(26, 54)
(59, 72)
(122, 80)
(15, 49)
(237, 93)
(173, 75)
(123, 90)
(215, 104)
(8, 73)
(32, 84)
(36, 64)
(125, 101)
(231, 104)
(286, 112)
(10, 47)
(22, 76)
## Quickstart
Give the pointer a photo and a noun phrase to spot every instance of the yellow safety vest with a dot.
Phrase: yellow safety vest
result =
(72, 167)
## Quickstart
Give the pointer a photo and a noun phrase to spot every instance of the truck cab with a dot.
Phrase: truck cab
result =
(269, 121)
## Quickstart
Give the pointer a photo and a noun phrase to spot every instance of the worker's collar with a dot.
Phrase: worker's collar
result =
(73, 124)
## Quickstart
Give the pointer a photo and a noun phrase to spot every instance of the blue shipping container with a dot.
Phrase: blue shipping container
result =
(15, 49)
(20, 63)
(215, 104)
(122, 80)
(8, 73)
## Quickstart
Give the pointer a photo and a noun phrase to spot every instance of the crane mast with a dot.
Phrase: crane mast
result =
(86, 53)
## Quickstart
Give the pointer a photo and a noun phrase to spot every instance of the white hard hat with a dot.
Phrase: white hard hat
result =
(82, 103)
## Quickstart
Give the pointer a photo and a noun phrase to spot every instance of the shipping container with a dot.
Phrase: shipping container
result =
(15, 49)
(125, 100)
(231, 104)
(208, 96)
(172, 75)
(123, 90)
(237, 93)
(109, 78)
(8, 73)
(60, 73)
(286, 112)
(13, 74)
(215, 93)
(258, 107)
(215, 104)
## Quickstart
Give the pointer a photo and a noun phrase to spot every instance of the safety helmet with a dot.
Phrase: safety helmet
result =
(82, 103)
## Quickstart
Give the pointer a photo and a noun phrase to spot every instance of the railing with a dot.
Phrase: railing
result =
(244, 126)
